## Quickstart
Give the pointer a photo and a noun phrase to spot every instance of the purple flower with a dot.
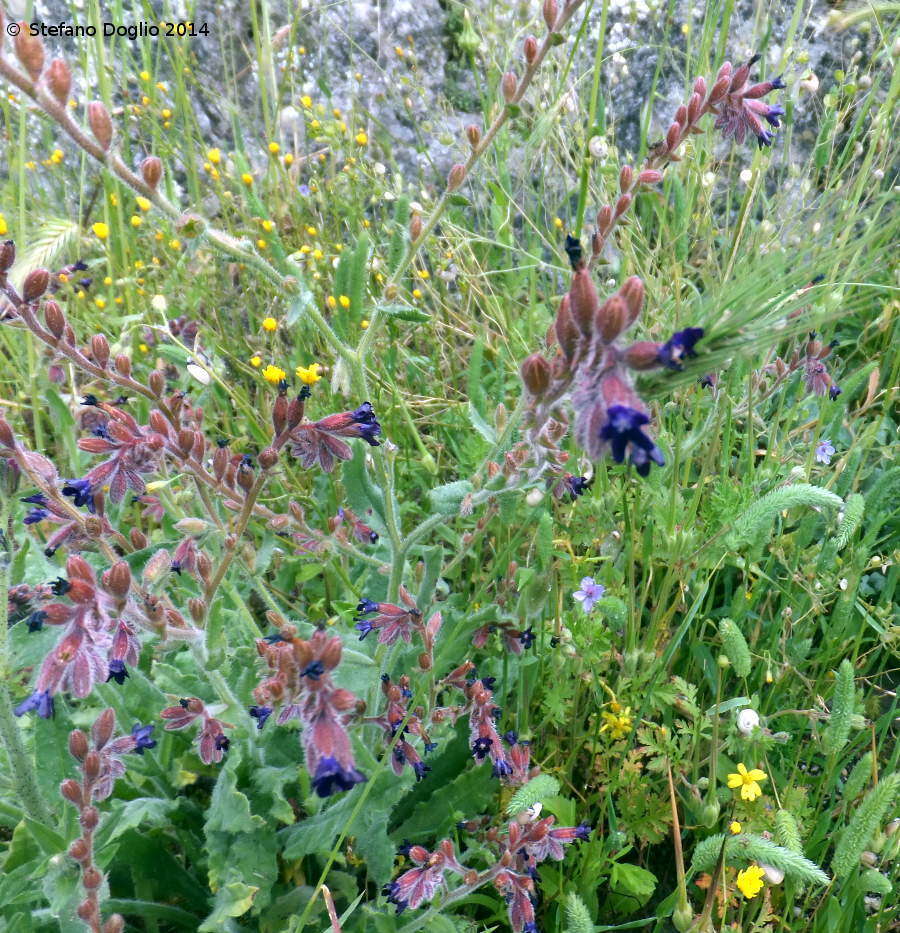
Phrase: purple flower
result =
(37, 498)
(834, 391)
(679, 346)
(741, 110)
(141, 736)
(364, 626)
(624, 427)
(36, 620)
(824, 452)
(331, 777)
(117, 671)
(222, 742)
(481, 746)
(303, 190)
(577, 485)
(420, 769)
(35, 515)
(314, 670)
(527, 637)
(368, 427)
(260, 714)
(589, 593)
(40, 701)
(80, 491)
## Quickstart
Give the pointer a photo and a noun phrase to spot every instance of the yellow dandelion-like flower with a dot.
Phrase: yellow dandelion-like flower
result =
(270, 324)
(315, 125)
(144, 76)
(309, 375)
(136, 220)
(364, 323)
(167, 114)
(288, 159)
(274, 148)
(748, 781)
(557, 222)
(734, 827)
(424, 274)
(344, 301)
(331, 301)
(417, 293)
(175, 244)
(214, 156)
(617, 723)
(114, 200)
(3, 228)
(306, 101)
(107, 280)
(262, 244)
(62, 276)
(361, 138)
(143, 348)
(143, 203)
(255, 361)
(337, 113)
(145, 100)
(311, 231)
(101, 230)
(318, 254)
(247, 179)
(749, 881)
(268, 226)
(100, 303)
(57, 156)
(81, 294)
(160, 86)
(273, 374)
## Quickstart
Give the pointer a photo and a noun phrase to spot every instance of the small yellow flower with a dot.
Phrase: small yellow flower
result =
(3, 228)
(161, 87)
(158, 236)
(424, 274)
(318, 254)
(268, 226)
(274, 148)
(57, 156)
(618, 724)
(417, 293)
(101, 230)
(214, 156)
(143, 203)
(107, 280)
(114, 200)
(136, 220)
(306, 101)
(81, 294)
(345, 301)
(143, 348)
(100, 303)
(309, 374)
(255, 362)
(63, 278)
(557, 222)
(270, 324)
(364, 323)
(167, 114)
(288, 159)
(262, 244)
(175, 244)
(749, 881)
(734, 827)
(748, 781)
(337, 113)
(247, 179)
(331, 301)
(144, 76)
(314, 125)
(273, 374)
(311, 231)
(361, 138)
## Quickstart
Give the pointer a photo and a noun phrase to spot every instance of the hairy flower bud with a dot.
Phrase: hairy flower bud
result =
(91, 878)
(115, 923)
(611, 318)
(54, 319)
(71, 790)
(100, 350)
(650, 176)
(29, 51)
(415, 227)
(100, 123)
(91, 765)
(623, 204)
(566, 329)
(700, 87)
(625, 177)
(509, 84)
(59, 79)
(425, 661)
(7, 438)
(473, 134)
(117, 579)
(151, 170)
(79, 850)
(694, 105)
(673, 136)
(157, 382)
(530, 49)
(78, 744)
(550, 13)
(87, 911)
(535, 371)
(643, 355)
(632, 291)
(681, 115)
(138, 539)
(583, 300)
(456, 177)
(123, 364)
(719, 89)
(102, 729)
(35, 284)
(197, 609)
(7, 255)
(604, 219)
(268, 458)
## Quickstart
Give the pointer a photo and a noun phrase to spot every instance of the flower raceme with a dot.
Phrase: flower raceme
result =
(741, 110)
(320, 442)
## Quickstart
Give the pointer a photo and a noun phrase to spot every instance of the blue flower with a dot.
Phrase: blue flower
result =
(589, 593)
(369, 428)
(834, 391)
(583, 830)
(824, 452)
(481, 746)
(260, 714)
(365, 606)
(501, 769)
(577, 485)
(510, 737)
(80, 491)
(420, 769)
(303, 190)
(430, 746)
(332, 778)
(40, 701)
(679, 346)
(364, 626)
(624, 427)
(117, 671)
(36, 620)
(223, 743)
(141, 736)
(33, 516)
(527, 637)
(314, 670)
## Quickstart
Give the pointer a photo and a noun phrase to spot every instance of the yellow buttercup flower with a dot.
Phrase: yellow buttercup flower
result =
(306, 100)
(734, 828)
(255, 362)
(3, 227)
(618, 723)
(274, 148)
(362, 138)
(749, 881)
(270, 324)
(345, 301)
(214, 156)
(748, 781)
(101, 230)
(143, 203)
(247, 179)
(136, 220)
(273, 374)
(309, 374)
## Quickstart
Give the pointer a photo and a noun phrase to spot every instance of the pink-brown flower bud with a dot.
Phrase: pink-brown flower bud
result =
(456, 177)
(673, 136)
(100, 350)
(91, 878)
(7, 255)
(604, 219)
(650, 176)
(611, 318)
(567, 334)
(71, 790)
(197, 609)
(79, 850)
(279, 413)
(87, 911)
(78, 744)
(530, 49)
(157, 382)
(700, 86)
(59, 80)
(138, 539)
(681, 115)
(623, 204)
(473, 134)
(625, 176)
(268, 458)
(54, 319)
(117, 579)
(115, 923)
(35, 284)
(102, 729)
(415, 226)
(123, 364)
(91, 765)
(100, 123)
(29, 51)
(151, 170)
(535, 371)
(583, 300)
(720, 89)
(694, 105)
(632, 292)
(550, 13)
(643, 355)
(509, 84)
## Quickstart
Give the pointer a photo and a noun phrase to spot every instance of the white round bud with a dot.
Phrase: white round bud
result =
(747, 721)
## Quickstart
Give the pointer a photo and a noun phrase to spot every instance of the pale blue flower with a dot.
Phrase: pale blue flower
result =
(589, 593)
(824, 452)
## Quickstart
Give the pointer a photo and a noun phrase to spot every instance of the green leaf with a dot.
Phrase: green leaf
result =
(447, 499)
(232, 900)
(535, 791)
(129, 814)
(481, 426)
(631, 886)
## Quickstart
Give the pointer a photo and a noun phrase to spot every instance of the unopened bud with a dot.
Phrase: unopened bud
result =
(79, 850)
(650, 176)
(583, 300)
(118, 579)
(456, 177)
(473, 134)
(673, 136)
(123, 365)
(720, 89)
(425, 661)
(91, 878)
(87, 911)
(604, 219)
(625, 177)
(115, 923)
(71, 790)
(643, 355)
(530, 49)
(550, 13)
(681, 115)
(268, 458)
(509, 84)
(54, 319)
(59, 80)
(694, 105)
(35, 284)
(100, 350)
(415, 227)
(151, 170)
(535, 371)
(138, 539)
(611, 318)
(100, 123)
(700, 87)
(623, 204)
(197, 609)
(7, 255)
(91, 765)
(632, 291)
(29, 51)
(7, 438)
(78, 744)
(279, 413)
(157, 382)
(102, 729)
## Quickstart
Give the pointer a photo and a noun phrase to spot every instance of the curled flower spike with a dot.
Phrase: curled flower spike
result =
(741, 111)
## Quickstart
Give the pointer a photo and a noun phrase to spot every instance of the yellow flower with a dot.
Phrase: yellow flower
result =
(261, 244)
(160, 86)
(100, 303)
(424, 274)
(734, 827)
(268, 226)
(618, 724)
(167, 114)
(214, 156)
(255, 362)
(748, 781)
(345, 301)
(306, 101)
(318, 254)
(62, 275)
(314, 125)
(108, 280)
(101, 231)
(749, 881)
(311, 231)
(175, 244)
(114, 200)
(144, 76)
(143, 347)
(57, 156)
(274, 148)
(361, 138)
(270, 324)
(273, 374)
(136, 220)
(364, 323)
(288, 159)
(3, 227)
(557, 222)
(417, 293)
(331, 301)
(144, 204)
(247, 179)
(309, 374)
